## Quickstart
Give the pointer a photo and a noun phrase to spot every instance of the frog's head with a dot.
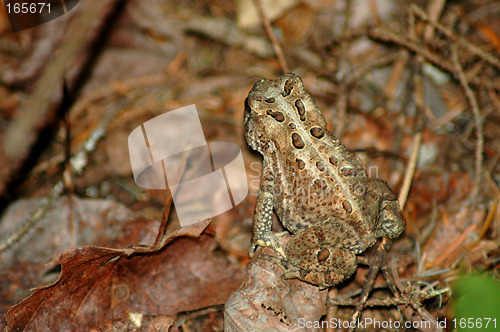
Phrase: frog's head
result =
(277, 110)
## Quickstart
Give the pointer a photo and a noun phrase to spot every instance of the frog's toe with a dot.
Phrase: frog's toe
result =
(290, 271)
(268, 240)
(280, 234)
(321, 279)
(252, 249)
(273, 243)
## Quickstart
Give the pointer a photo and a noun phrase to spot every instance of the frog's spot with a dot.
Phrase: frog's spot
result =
(287, 88)
(320, 185)
(301, 109)
(347, 171)
(347, 206)
(320, 166)
(300, 164)
(278, 116)
(333, 161)
(297, 141)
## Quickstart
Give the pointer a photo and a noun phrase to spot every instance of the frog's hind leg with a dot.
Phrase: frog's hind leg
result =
(317, 256)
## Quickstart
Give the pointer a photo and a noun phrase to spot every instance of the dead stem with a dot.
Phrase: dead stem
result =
(272, 37)
(410, 169)
(454, 38)
(478, 120)
(378, 261)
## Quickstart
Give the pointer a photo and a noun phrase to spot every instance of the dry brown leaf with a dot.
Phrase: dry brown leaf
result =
(68, 223)
(98, 285)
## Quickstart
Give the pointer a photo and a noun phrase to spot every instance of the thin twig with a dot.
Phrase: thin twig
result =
(342, 72)
(410, 169)
(386, 35)
(68, 174)
(181, 169)
(452, 248)
(435, 9)
(413, 298)
(331, 310)
(489, 220)
(417, 138)
(379, 259)
(272, 37)
(478, 120)
(454, 38)
(359, 72)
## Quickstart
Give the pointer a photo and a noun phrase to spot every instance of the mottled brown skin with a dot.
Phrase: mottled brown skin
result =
(319, 190)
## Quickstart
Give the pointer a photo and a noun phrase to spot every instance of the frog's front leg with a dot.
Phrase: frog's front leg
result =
(263, 217)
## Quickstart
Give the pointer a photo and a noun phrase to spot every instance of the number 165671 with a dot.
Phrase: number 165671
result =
(474, 323)
(25, 7)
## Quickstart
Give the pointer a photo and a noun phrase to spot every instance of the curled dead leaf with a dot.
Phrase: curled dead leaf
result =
(99, 285)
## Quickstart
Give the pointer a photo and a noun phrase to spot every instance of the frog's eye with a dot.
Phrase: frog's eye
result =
(270, 100)
(323, 254)
(317, 132)
(248, 109)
